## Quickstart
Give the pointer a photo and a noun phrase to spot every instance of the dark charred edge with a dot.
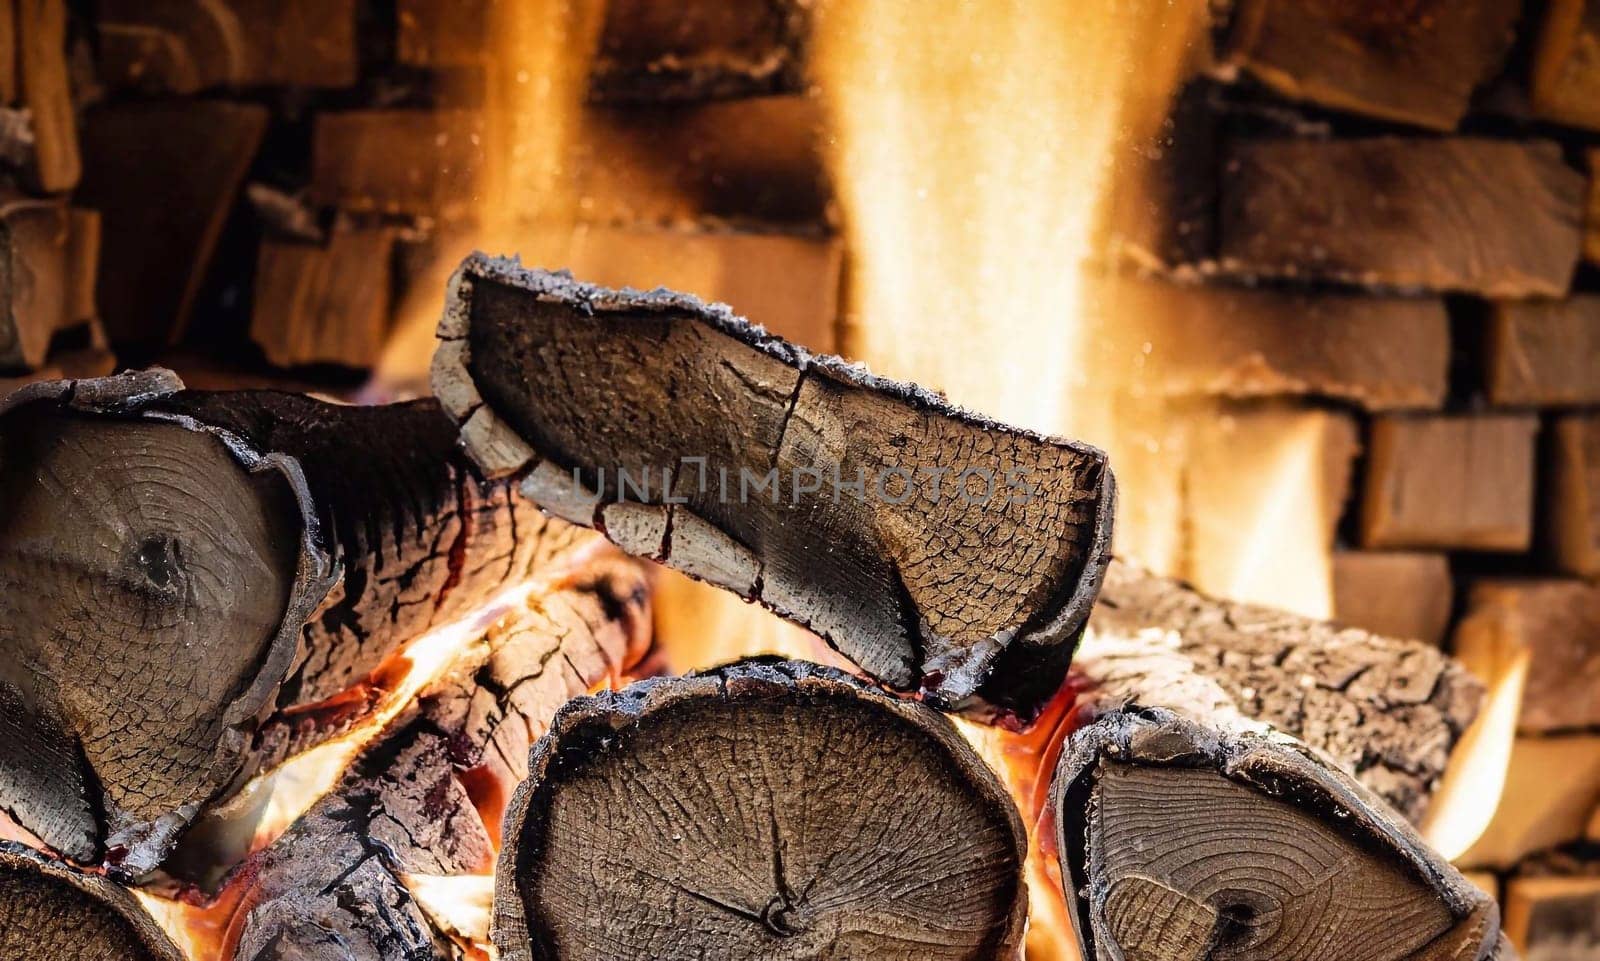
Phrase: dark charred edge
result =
(128, 395)
(332, 866)
(115, 899)
(1270, 763)
(584, 722)
(777, 68)
(1046, 640)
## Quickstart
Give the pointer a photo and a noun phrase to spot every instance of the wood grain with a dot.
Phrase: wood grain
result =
(572, 385)
(770, 810)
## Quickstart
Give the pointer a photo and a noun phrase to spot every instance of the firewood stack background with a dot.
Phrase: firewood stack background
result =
(1350, 285)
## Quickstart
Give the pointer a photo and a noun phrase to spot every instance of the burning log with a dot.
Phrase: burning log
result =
(336, 884)
(824, 497)
(1206, 807)
(247, 555)
(771, 810)
(49, 910)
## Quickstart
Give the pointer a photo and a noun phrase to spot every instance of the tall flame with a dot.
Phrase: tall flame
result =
(973, 154)
(976, 146)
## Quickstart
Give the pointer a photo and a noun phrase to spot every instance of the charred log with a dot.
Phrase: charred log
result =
(49, 910)
(768, 810)
(1221, 794)
(335, 885)
(242, 554)
(691, 437)
(1388, 711)
(1196, 837)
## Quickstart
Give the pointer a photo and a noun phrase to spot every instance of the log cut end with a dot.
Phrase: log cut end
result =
(148, 584)
(48, 910)
(731, 840)
(861, 508)
(1181, 842)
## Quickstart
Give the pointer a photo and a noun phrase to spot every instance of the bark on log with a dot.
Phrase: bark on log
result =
(1388, 711)
(334, 886)
(576, 386)
(1192, 835)
(768, 810)
(49, 910)
(1220, 795)
(245, 554)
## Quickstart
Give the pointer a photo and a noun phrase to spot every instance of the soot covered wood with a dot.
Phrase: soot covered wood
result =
(177, 567)
(744, 444)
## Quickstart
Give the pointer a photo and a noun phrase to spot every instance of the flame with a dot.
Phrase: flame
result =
(1468, 797)
(700, 626)
(1262, 503)
(460, 905)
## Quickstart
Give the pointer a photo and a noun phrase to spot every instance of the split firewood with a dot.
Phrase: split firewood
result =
(410, 807)
(769, 809)
(864, 509)
(1401, 213)
(1552, 906)
(194, 155)
(1417, 63)
(47, 92)
(1198, 834)
(34, 262)
(247, 555)
(1389, 711)
(1224, 793)
(50, 910)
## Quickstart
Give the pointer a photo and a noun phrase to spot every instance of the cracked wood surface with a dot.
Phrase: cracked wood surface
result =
(1388, 711)
(333, 886)
(573, 385)
(768, 809)
(1181, 839)
(180, 566)
(48, 910)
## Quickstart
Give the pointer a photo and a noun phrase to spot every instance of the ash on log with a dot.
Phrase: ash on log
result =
(244, 554)
(1189, 826)
(691, 437)
(769, 810)
(335, 885)
(49, 910)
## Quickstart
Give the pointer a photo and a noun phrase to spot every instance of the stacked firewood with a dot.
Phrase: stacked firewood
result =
(1225, 768)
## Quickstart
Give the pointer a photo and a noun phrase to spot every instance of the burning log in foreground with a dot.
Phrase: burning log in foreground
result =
(1207, 808)
(336, 884)
(49, 910)
(870, 511)
(764, 810)
(244, 554)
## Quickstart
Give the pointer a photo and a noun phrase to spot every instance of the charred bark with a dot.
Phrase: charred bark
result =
(177, 567)
(335, 884)
(1214, 800)
(691, 437)
(767, 810)
(49, 910)
(1389, 711)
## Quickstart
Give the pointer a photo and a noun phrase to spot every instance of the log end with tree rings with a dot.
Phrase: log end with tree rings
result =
(769, 809)
(49, 910)
(1181, 842)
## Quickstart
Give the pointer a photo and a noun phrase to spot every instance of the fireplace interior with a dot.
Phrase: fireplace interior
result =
(1140, 500)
